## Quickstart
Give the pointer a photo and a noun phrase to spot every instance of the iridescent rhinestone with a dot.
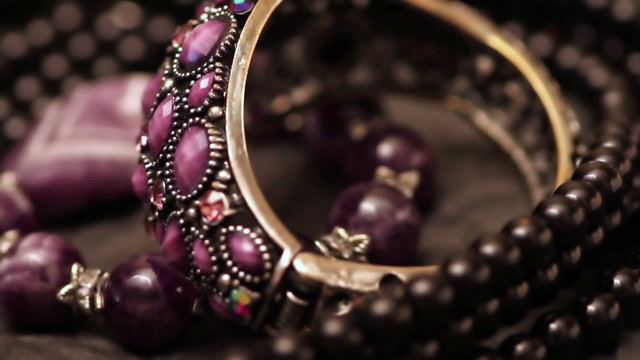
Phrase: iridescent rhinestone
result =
(157, 196)
(242, 301)
(241, 6)
(213, 207)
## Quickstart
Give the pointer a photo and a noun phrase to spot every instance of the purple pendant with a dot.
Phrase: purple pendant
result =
(148, 303)
(30, 276)
(139, 182)
(160, 126)
(203, 41)
(245, 253)
(150, 93)
(201, 89)
(191, 160)
(173, 246)
(202, 258)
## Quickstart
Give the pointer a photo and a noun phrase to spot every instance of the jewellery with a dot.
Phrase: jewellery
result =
(186, 158)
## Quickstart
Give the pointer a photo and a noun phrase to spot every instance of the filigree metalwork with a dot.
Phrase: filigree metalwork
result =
(342, 245)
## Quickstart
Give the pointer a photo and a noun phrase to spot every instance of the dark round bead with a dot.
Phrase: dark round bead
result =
(288, 346)
(393, 286)
(429, 349)
(515, 303)
(567, 220)
(388, 324)
(613, 158)
(458, 339)
(624, 285)
(329, 127)
(602, 322)
(432, 299)
(503, 255)
(545, 285)
(535, 240)
(487, 319)
(594, 241)
(570, 264)
(399, 149)
(587, 197)
(148, 304)
(620, 143)
(524, 347)
(562, 333)
(486, 354)
(31, 274)
(604, 178)
(337, 337)
(471, 279)
(386, 215)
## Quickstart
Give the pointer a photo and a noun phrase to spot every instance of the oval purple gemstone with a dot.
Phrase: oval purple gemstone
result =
(203, 41)
(201, 257)
(200, 90)
(139, 183)
(30, 276)
(192, 157)
(160, 125)
(148, 303)
(245, 253)
(150, 93)
(173, 246)
(16, 213)
(398, 149)
(386, 215)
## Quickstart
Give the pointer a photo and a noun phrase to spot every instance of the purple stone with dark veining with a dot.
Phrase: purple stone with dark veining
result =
(80, 156)
(201, 257)
(245, 253)
(200, 90)
(192, 157)
(139, 183)
(148, 303)
(385, 214)
(160, 125)
(150, 93)
(173, 246)
(399, 149)
(30, 276)
(203, 41)
(16, 213)
(328, 127)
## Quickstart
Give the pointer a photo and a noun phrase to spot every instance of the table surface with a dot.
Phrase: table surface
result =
(479, 190)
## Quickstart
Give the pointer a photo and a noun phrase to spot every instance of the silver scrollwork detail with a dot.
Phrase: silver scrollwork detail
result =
(85, 290)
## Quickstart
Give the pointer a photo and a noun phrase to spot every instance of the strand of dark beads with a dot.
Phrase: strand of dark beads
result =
(384, 326)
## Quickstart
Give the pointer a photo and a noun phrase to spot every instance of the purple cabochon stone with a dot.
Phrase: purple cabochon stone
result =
(139, 183)
(150, 92)
(30, 276)
(201, 257)
(16, 213)
(173, 246)
(203, 41)
(385, 214)
(245, 253)
(200, 90)
(148, 303)
(80, 154)
(192, 157)
(160, 125)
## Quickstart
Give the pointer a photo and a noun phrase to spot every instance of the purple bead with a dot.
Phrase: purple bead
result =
(173, 246)
(201, 257)
(160, 125)
(245, 253)
(385, 214)
(148, 303)
(150, 93)
(328, 127)
(200, 90)
(31, 275)
(192, 158)
(16, 213)
(399, 149)
(203, 41)
(139, 183)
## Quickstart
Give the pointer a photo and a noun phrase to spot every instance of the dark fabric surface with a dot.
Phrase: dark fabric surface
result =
(480, 189)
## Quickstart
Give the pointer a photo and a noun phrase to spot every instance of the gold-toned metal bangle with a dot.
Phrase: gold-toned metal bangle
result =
(228, 202)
